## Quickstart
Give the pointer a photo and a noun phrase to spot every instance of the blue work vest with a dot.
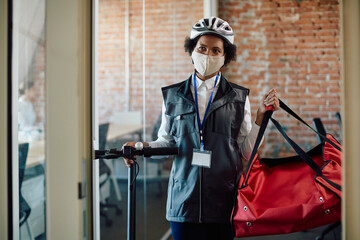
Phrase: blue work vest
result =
(200, 194)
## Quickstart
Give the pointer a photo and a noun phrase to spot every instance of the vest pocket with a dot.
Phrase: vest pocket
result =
(170, 194)
(182, 124)
(182, 118)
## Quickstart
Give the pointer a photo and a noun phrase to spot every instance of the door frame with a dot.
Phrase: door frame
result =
(68, 119)
(68, 123)
(5, 211)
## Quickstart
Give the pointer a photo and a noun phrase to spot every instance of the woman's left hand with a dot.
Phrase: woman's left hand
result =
(269, 99)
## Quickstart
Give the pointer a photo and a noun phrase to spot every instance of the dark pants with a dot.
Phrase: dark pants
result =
(201, 231)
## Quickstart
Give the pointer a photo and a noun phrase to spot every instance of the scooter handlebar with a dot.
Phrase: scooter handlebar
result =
(130, 152)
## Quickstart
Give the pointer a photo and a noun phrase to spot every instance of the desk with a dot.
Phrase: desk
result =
(36, 154)
(116, 130)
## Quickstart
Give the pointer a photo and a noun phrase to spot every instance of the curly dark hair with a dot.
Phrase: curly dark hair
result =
(229, 49)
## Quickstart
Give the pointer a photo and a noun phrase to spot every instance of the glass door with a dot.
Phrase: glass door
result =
(28, 83)
(139, 50)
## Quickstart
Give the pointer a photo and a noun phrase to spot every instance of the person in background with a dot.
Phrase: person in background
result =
(209, 119)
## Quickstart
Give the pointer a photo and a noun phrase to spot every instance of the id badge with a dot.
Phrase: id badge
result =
(201, 158)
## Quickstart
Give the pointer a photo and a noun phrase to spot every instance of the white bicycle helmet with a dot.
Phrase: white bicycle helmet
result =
(213, 26)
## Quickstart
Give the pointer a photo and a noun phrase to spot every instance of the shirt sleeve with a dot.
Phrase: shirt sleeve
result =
(164, 138)
(248, 133)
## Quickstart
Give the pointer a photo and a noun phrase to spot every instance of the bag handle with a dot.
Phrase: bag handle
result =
(264, 123)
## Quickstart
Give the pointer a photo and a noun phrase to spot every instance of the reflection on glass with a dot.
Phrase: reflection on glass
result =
(28, 72)
(129, 114)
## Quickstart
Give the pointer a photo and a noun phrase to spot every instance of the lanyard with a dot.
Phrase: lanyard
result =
(201, 124)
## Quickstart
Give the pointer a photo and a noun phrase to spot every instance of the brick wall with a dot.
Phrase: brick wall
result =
(291, 45)
(165, 59)
(32, 89)
(111, 52)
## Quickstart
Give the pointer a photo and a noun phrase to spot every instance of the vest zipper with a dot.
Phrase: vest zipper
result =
(201, 182)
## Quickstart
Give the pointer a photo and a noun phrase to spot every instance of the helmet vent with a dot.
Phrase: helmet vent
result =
(213, 21)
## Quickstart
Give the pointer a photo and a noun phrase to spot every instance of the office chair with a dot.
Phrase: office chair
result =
(159, 161)
(105, 170)
(333, 229)
(320, 128)
(24, 208)
(338, 116)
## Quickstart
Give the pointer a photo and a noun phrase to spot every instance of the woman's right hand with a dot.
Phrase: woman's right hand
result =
(129, 161)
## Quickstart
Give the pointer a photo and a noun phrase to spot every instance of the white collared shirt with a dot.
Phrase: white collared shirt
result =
(248, 131)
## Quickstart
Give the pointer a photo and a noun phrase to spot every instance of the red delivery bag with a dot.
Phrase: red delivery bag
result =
(285, 195)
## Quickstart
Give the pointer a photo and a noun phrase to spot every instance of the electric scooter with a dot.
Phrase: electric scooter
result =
(130, 152)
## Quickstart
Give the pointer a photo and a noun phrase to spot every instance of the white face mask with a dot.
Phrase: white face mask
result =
(206, 64)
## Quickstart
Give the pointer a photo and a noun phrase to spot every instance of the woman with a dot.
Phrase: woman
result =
(209, 119)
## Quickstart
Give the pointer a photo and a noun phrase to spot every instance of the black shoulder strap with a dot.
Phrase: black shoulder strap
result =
(292, 113)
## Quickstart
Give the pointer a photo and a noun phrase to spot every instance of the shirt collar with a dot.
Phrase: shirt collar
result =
(209, 83)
